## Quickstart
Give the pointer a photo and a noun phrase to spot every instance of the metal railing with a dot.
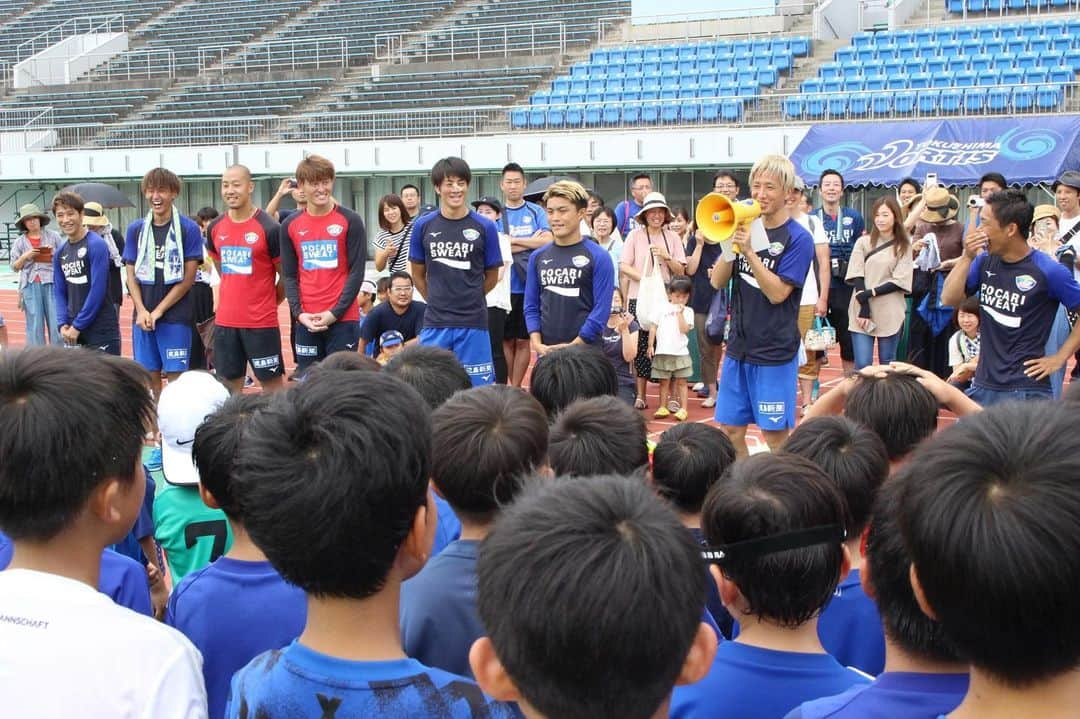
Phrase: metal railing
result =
(478, 120)
(462, 43)
(1004, 11)
(69, 28)
(35, 124)
(298, 54)
(696, 25)
(134, 64)
(953, 19)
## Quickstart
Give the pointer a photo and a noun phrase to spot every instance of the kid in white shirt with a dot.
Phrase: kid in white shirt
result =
(669, 347)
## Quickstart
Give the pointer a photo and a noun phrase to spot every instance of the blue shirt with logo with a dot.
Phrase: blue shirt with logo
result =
(456, 254)
(568, 292)
(301, 683)
(842, 231)
(704, 292)
(519, 222)
(625, 212)
(762, 332)
(893, 694)
(1017, 305)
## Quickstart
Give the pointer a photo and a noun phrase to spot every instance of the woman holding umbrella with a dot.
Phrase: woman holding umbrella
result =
(32, 258)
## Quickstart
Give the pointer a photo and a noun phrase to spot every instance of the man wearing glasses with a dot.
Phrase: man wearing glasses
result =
(627, 210)
(726, 184)
(399, 313)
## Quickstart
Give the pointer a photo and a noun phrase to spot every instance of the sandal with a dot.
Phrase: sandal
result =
(662, 413)
(640, 403)
(681, 415)
(673, 405)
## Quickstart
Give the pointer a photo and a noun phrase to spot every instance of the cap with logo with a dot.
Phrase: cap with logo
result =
(491, 202)
(391, 338)
(184, 404)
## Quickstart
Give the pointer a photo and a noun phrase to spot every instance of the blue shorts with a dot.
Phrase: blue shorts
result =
(312, 347)
(472, 347)
(167, 347)
(757, 394)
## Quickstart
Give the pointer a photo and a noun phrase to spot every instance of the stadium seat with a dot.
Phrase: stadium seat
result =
(632, 84)
(519, 118)
(975, 99)
(1063, 74)
(965, 78)
(1002, 63)
(1048, 97)
(998, 99)
(949, 48)
(1011, 77)
(556, 117)
(904, 102)
(731, 110)
(897, 67)
(964, 33)
(710, 110)
(800, 46)
(749, 88)
(650, 95)
(845, 55)
(928, 101)
(669, 114)
(919, 80)
(990, 78)
(866, 55)
(956, 64)
(595, 86)
(993, 48)
(781, 59)
(612, 114)
(631, 115)
(832, 85)
(687, 94)
(792, 107)
(537, 117)
(1015, 46)
(815, 107)
(650, 113)
(1039, 45)
(811, 85)
(1061, 44)
(575, 116)
(836, 104)
(593, 115)
(579, 71)
(1072, 60)
(830, 71)
(634, 56)
(981, 63)
(863, 39)
(951, 101)
(668, 94)
(941, 81)
(704, 66)
(767, 76)
(854, 85)
(881, 102)
(859, 104)
(875, 83)
(907, 51)
(651, 54)
(616, 57)
(690, 112)
(1028, 60)
(896, 82)
(1036, 76)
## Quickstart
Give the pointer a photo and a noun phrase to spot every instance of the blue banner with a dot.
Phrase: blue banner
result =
(1024, 150)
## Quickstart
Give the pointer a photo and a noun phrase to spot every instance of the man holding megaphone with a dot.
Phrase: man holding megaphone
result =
(758, 379)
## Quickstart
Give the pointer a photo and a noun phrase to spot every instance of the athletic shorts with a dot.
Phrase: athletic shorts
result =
(312, 347)
(472, 347)
(166, 347)
(235, 347)
(108, 345)
(515, 328)
(757, 394)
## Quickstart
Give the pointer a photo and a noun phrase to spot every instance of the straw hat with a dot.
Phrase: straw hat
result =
(652, 201)
(1044, 211)
(940, 205)
(28, 211)
(94, 215)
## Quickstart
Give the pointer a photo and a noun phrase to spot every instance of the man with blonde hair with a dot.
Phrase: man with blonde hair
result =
(570, 281)
(773, 256)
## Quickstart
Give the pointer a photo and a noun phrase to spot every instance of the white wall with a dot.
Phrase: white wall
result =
(645, 148)
(69, 59)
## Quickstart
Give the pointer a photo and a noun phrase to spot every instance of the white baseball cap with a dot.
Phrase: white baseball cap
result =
(184, 404)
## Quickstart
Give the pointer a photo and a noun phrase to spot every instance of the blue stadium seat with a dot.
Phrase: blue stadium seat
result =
(863, 39)
(876, 83)
(993, 48)
(727, 89)
(537, 117)
(845, 55)
(854, 85)
(989, 78)
(852, 71)
(690, 112)
(928, 102)
(897, 67)
(919, 80)
(579, 86)
(1011, 77)
(814, 107)
(1016, 46)
(981, 63)
(949, 48)
(896, 82)
(1055, 28)
(561, 84)
(986, 33)
(710, 110)
(575, 116)
(596, 86)
(519, 118)
(1072, 59)
(976, 5)
(651, 54)
(800, 46)
(630, 97)
(616, 73)
(781, 59)
(832, 85)
(1061, 44)
(866, 55)
(634, 55)
(650, 69)
(731, 110)
(650, 95)
(950, 101)
(1072, 27)
(668, 94)
(702, 67)
(612, 115)
(749, 88)
(881, 102)
(767, 76)
(745, 74)
(579, 71)
(650, 113)
(1039, 45)
(669, 113)
(1002, 62)
(923, 37)
(904, 102)
(705, 52)
(782, 45)
(965, 78)
(599, 57)
(1009, 31)
(964, 32)
(593, 115)
(1017, 4)
(1023, 98)
(811, 84)
(671, 54)
(941, 81)
(836, 104)
(594, 98)
(859, 104)
(687, 94)
(937, 65)
(762, 46)
(616, 57)
(1031, 30)
(955, 64)
(573, 98)
(615, 86)
(792, 107)
(830, 71)
(1048, 97)
(907, 51)
(1036, 76)
(975, 99)
(998, 99)
(1063, 74)
(631, 114)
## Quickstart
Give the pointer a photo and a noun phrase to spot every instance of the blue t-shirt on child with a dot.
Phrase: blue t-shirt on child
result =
(439, 622)
(232, 611)
(748, 682)
(456, 254)
(300, 683)
(893, 694)
(850, 627)
(121, 578)
(1017, 305)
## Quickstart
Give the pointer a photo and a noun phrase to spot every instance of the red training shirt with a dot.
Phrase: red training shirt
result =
(322, 260)
(247, 255)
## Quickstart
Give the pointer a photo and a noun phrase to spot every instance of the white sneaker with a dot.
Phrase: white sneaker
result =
(698, 387)
(709, 402)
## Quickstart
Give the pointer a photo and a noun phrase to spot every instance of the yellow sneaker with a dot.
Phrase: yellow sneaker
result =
(681, 415)
(662, 413)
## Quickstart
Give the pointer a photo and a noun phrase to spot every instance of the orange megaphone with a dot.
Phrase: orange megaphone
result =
(718, 217)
